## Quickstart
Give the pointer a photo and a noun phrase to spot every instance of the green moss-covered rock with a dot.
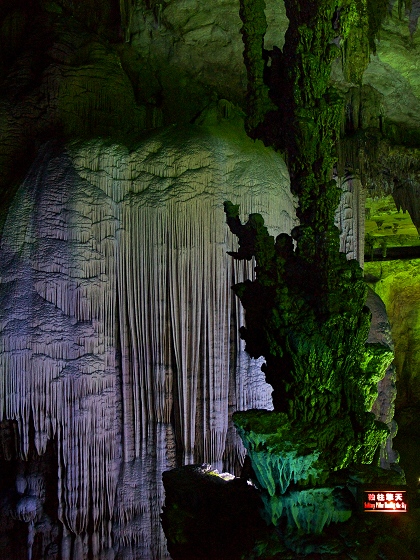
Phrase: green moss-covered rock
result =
(279, 453)
(311, 326)
(305, 310)
(308, 511)
(299, 453)
(377, 359)
(293, 462)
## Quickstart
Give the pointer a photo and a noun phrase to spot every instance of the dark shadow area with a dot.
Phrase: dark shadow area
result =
(393, 254)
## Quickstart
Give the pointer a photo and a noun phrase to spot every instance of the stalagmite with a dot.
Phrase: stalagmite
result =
(350, 217)
(119, 328)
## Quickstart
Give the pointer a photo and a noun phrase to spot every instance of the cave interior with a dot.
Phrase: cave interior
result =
(209, 279)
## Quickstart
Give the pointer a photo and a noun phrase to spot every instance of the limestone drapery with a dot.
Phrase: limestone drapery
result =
(117, 318)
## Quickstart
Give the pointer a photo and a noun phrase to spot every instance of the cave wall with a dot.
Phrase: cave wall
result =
(397, 283)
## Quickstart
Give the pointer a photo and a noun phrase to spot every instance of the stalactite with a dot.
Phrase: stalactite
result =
(126, 9)
(116, 316)
(65, 378)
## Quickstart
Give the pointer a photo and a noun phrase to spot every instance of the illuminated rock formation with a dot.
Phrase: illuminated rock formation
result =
(119, 327)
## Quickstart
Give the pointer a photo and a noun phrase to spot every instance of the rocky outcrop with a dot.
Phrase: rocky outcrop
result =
(396, 282)
(383, 407)
(392, 73)
(210, 515)
(297, 464)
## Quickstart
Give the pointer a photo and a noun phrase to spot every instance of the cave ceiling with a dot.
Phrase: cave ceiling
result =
(88, 69)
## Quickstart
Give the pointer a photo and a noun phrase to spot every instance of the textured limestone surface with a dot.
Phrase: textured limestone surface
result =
(119, 329)
(63, 71)
(192, 51)
(384, 405)
(394, 70)
(79, 243)
(397, 283)
(65, 82)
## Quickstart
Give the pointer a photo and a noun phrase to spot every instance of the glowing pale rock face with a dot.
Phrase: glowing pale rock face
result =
(118, 323)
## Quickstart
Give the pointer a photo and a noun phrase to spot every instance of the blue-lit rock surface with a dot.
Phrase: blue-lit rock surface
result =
(118, 336)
